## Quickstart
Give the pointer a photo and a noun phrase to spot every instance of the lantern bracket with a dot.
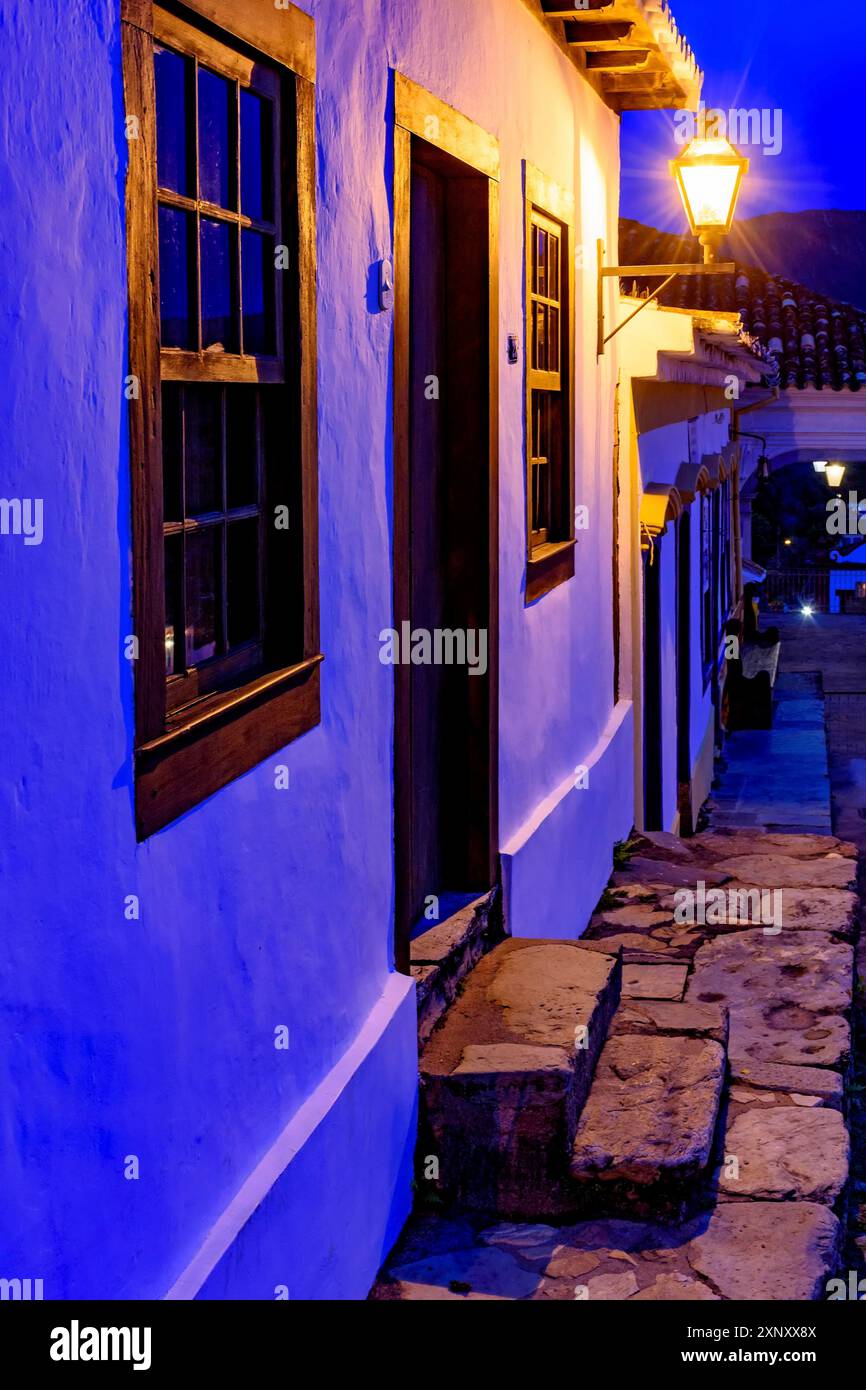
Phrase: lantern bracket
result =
(669, 272)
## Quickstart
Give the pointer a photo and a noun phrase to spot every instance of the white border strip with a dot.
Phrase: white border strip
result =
(546, 807)
(299, 1129)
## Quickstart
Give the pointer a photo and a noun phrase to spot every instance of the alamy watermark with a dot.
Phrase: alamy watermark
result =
(22, 516)
(440, 646)
(761, 128)
(732, 907)
(846, 518)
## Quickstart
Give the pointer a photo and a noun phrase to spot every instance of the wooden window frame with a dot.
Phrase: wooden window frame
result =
(552, 562)
(183, 756)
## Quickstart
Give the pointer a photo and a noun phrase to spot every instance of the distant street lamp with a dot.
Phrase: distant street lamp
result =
(834, 473)
(709, 174)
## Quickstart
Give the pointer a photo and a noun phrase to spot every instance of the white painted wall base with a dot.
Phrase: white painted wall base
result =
(555, 867)
(322, 1209)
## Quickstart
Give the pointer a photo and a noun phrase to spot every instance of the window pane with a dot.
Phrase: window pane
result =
(218, 277)
(174, 654)
(257, 157)
(540, 345)
(217, 124)
(203, 449)
(172, 453)
(203, 554)
(257, 260)
(242, 550)
(176, 278)
(553, 340)
(553, 267)
(173, 83)
(241, 451)
(541, 277)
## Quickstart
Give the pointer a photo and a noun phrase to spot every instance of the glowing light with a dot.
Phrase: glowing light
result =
(806, 610)
(820, 465)
(709, 173)
(834, 473)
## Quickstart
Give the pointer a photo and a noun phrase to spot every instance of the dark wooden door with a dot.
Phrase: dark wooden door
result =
(445, 546)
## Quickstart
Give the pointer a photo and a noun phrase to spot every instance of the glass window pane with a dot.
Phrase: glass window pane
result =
(541, 337)
(203, 465)
(241, 451)
(217, 127)
(257, 157)
(553, 340)
(257, 262)
(541, 286)
(553, 267)
(174, 166)
(242, 551)
(176, 278)
(174, 654)
(172, 453)
(218, 279)
(203, 556)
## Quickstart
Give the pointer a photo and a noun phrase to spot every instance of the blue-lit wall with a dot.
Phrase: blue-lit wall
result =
(154, 1037)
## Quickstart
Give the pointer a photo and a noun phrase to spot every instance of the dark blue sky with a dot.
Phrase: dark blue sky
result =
(794, 57)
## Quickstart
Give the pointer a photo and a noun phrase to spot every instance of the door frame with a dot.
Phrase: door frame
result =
(420, 115)
(684, 672)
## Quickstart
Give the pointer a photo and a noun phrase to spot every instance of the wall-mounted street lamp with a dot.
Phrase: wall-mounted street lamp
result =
(834, 473)
(709, 174)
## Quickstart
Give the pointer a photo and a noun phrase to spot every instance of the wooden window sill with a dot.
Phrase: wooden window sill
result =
(209, 743)
(548, 566)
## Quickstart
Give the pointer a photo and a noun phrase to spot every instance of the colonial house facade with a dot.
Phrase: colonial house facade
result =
(365, 588)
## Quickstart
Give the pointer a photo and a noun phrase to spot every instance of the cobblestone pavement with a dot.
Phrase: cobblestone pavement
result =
(759, 1215)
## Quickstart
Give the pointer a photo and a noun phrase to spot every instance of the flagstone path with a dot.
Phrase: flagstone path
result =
(716, 1110)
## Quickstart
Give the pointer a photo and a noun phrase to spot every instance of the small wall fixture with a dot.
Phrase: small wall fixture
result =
(820, 465)
(709, 174)
(834, 473)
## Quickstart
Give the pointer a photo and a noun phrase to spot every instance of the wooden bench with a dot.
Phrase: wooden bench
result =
(748, 698)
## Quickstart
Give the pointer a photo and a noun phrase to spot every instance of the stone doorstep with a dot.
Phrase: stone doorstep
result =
(441, 958)
(645, 1139)
(505, 1076)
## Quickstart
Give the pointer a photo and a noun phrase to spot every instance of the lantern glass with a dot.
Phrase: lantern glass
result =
(834, 473)
(709, 173)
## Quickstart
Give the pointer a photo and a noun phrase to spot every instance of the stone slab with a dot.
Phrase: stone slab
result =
(767, 1251)
(787, 996)
(810, 1081)
(656, 1016)
(782, 871)
(786, 1154)
(649, 1123)
(654, 981)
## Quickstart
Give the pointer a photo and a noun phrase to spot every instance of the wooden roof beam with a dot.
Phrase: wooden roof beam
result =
(619, 60)
(598, 37)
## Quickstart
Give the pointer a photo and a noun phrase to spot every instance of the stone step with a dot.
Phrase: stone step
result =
(646, 1138)
(505, 1076)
